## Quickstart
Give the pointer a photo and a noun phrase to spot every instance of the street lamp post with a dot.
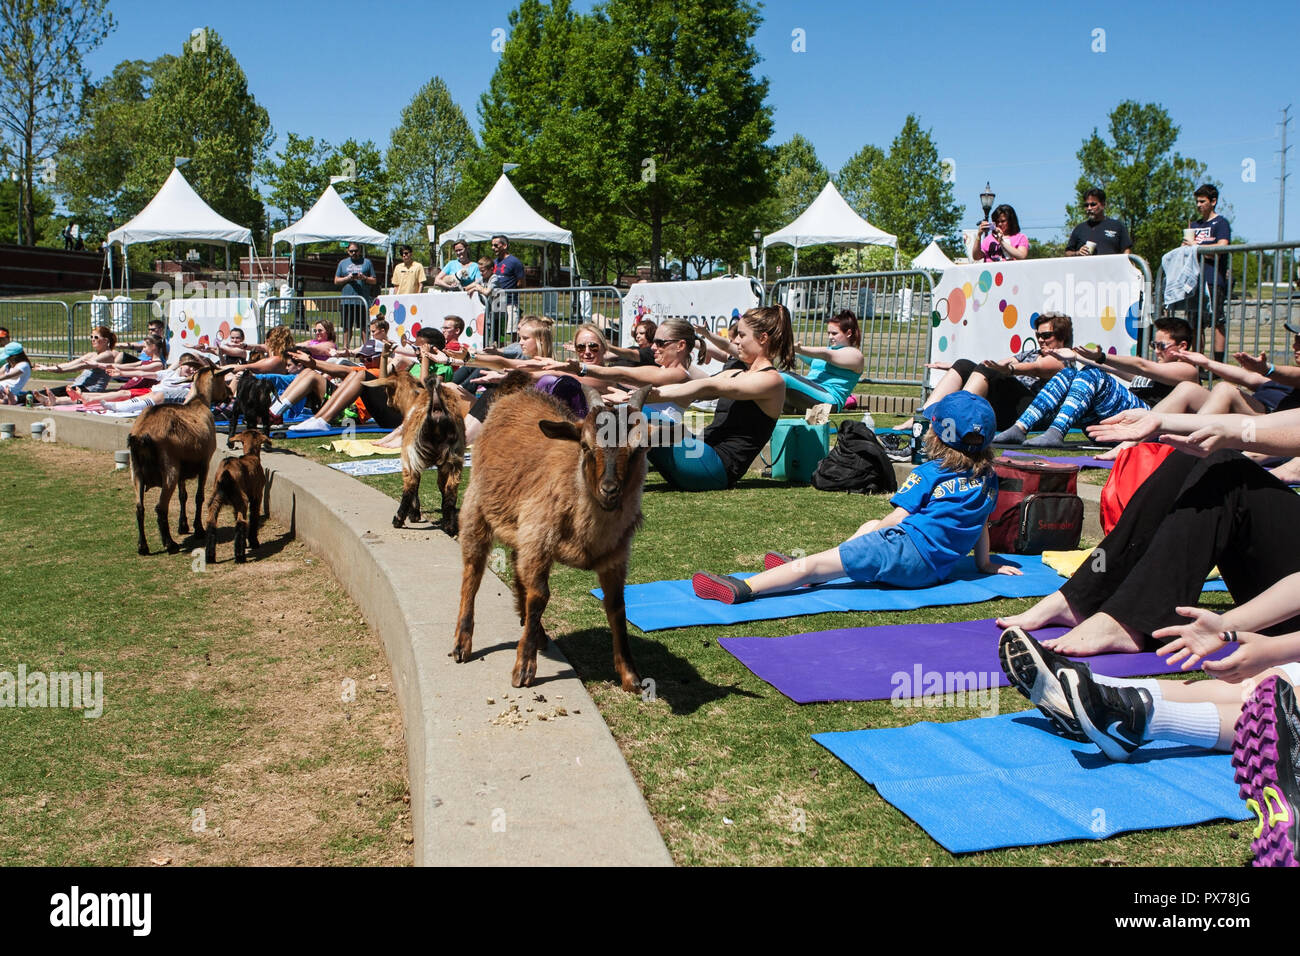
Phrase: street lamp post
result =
(433, 240)
(986, 199)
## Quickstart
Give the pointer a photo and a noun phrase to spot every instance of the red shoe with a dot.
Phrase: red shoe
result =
(774, 559)
(721, 587)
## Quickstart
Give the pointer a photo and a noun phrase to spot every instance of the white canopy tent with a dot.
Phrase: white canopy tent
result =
(503, 212)
(828, 221)
(329, 220)
(932, 258)
(176, 212)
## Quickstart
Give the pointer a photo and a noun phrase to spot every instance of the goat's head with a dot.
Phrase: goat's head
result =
(612, 445)
(211, 386)
(252, 440)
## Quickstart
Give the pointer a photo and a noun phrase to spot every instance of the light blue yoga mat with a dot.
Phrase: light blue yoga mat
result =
(665, 604)
(1009, 781)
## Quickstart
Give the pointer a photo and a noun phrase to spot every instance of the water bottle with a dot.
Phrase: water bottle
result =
(868, 421)
(920, 426)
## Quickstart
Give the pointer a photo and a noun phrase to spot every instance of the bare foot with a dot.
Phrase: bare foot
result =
(1099, 634)
(1288, 471)
(1051, 611)
(1113, 453)
(46, 398)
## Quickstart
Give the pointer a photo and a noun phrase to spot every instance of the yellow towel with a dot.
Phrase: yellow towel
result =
(1065, 563)
(356, 448)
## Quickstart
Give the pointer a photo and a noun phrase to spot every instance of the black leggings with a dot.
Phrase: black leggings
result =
(1188, 516)
(1007, 394)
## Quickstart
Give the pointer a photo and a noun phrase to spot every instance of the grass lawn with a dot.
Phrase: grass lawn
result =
(225, 736)
(719, 743)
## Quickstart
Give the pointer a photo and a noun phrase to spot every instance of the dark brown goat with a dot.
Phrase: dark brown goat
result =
(169, 445)
(239, 483)
(553, 489)
(433, 436)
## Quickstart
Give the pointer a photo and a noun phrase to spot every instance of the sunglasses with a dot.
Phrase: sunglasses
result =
(1047, 335)
(588, 347)
(664, 343)
(1161, 346)
(1092, 205)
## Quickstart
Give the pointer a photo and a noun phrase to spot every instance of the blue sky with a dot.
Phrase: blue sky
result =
(1009, 91)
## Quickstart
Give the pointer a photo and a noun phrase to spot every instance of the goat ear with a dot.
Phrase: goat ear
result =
(565, 431)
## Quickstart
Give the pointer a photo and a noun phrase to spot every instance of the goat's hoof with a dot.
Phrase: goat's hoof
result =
(173, 548)
(523, 676)
(460, 652)
(142, 549)
(631, 683)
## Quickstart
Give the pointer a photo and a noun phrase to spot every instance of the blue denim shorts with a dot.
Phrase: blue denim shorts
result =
(887, 556)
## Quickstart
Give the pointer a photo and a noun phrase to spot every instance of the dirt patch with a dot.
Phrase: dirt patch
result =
(311, 768)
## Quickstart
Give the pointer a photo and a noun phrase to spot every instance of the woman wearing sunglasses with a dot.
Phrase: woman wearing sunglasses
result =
(673, 343)
(1080, 396)
(94, 367)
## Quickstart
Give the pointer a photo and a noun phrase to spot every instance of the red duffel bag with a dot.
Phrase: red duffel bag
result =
(1131, 469)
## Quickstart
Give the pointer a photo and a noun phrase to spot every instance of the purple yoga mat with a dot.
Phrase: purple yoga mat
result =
(901, 660)
(1083, 461)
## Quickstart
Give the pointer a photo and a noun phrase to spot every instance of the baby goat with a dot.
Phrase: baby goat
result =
(433, 436)
(239, 483)
(171, 444)
(253, 398)
(553, 489)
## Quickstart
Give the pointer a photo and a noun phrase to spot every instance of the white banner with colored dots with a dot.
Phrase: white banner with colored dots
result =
(711, 302)
(407, 314)
(987, 310)
(201, 323)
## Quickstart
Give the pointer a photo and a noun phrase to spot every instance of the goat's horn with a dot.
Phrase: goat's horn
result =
(637, 398)
(594, 399)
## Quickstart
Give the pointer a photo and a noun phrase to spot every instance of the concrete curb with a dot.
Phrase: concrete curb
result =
(554, 792)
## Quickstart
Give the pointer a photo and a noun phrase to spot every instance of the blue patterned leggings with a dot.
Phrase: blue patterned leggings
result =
(1078, 397)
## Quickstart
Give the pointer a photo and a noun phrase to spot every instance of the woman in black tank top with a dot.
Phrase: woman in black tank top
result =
(749, 403)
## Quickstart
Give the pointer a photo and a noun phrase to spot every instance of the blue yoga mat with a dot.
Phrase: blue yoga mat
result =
(1009, 781)
(1082, 461)
(664, 604)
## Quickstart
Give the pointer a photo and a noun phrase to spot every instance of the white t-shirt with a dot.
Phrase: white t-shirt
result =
(22, 371)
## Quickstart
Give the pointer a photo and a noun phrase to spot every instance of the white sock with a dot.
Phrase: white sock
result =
(278, 406)
(138, 404)
(1149, 684)
(1195, 724)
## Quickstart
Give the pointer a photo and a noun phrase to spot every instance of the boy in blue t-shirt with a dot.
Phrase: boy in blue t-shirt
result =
(940, 513)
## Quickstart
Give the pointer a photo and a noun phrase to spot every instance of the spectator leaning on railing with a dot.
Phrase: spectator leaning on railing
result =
(1098, 235)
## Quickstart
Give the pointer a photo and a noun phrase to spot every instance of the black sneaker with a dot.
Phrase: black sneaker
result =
(1033, 670)
(897, 445)
(721, 587)
(1114, 718)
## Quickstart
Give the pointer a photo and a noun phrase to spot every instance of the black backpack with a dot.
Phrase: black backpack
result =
(856, 464)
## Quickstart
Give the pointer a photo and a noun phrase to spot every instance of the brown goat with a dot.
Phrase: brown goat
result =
(553, 489)
(169, 445)
(433, 436)
(239, 483)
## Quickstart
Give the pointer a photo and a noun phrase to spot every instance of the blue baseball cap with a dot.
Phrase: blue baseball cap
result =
(964, 421)
(10, 350)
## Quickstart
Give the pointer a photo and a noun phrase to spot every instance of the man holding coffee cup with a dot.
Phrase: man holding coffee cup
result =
(1210, 230)
(1097, 235)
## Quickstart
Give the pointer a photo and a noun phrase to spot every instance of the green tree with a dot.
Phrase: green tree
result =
(94, 160)
(675, 85)
(42, 43)
(296, 176)
(1148, 186)
(854, 180)
(370, 193)
(200, 107)
(427, 154)
(798, 176)
(48, 227)
(911, 196)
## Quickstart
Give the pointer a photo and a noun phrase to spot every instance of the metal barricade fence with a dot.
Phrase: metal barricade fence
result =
(1251, 298)
(349, 314)
(893, 310)
(128, 319)
(41, 326)
(566, 306)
